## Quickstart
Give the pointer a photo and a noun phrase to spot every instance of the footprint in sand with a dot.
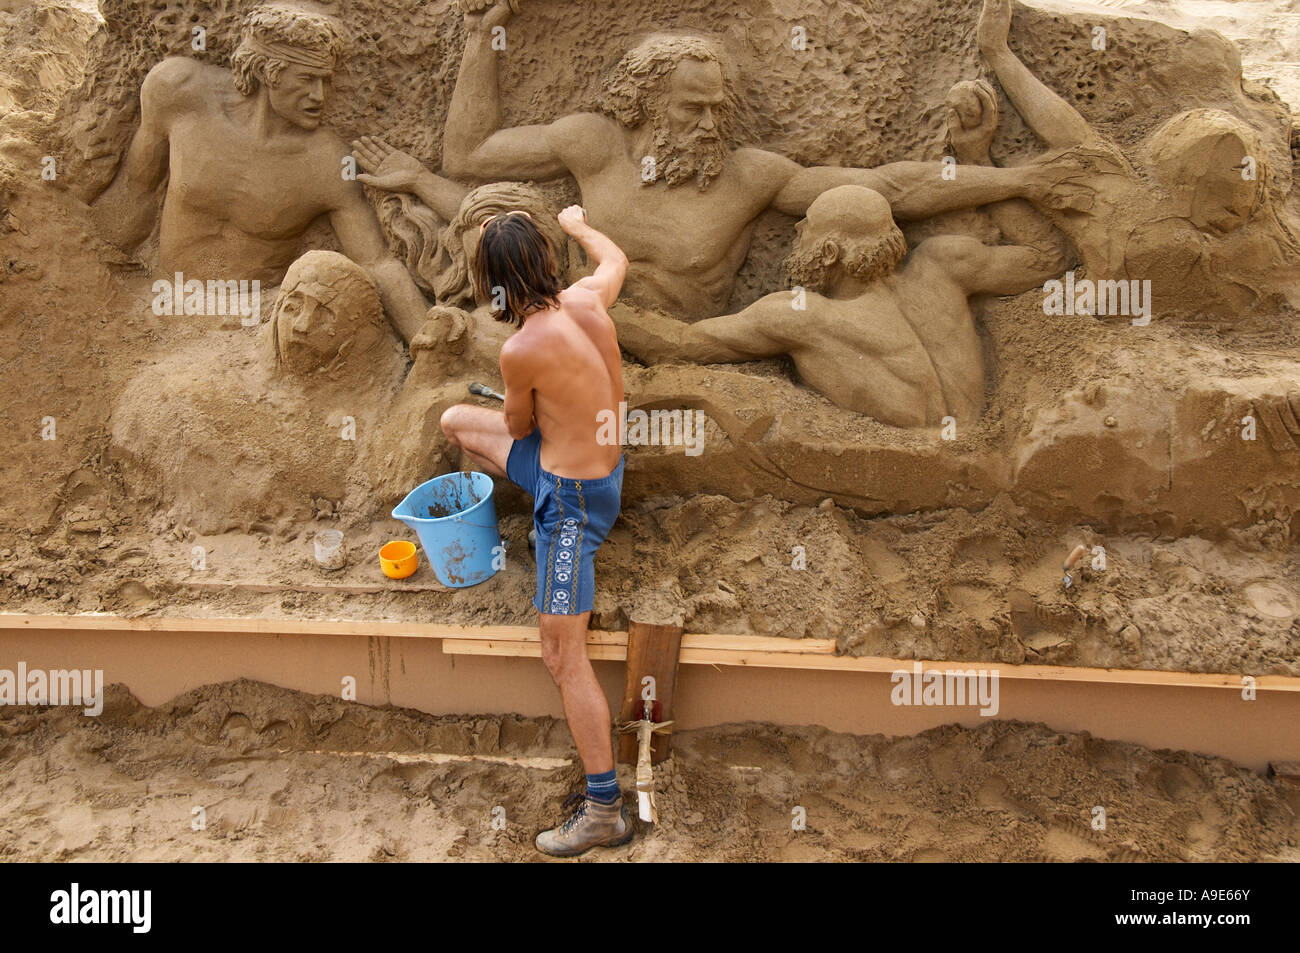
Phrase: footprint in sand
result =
(1177, 782)
(1064, 841)
(994, 794)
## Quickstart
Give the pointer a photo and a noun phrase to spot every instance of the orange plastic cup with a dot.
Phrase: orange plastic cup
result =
(398, 559)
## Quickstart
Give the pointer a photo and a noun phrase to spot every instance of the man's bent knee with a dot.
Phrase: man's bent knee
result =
(564, 647)
(450, 422)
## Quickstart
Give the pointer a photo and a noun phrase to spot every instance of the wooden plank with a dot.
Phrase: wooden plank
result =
(652, 650)
(1288, 771)
(105, 622)
(597, 650)
(692, 653)
(760, 643)
(343, 588)
(1059, 673)
(159, 665)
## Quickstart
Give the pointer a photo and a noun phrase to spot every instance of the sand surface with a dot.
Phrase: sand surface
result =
(287, 776)
(1267, 31)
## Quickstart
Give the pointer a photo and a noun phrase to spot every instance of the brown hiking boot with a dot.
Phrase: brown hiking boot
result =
(592, 825)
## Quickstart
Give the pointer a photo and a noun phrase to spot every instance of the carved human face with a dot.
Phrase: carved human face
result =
(1223, 199)
(810, 264)
(689, 122)
(307, 329)
(696, 93)
(849, 232)
(299, 95)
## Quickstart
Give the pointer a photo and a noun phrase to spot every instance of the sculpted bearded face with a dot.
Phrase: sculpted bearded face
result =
(849, 231)
(689, 120)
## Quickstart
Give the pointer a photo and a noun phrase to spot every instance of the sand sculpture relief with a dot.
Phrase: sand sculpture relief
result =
(900, 278)
(248, 164)
(232, 428)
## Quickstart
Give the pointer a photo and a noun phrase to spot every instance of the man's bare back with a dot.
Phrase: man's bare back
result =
(570, 358)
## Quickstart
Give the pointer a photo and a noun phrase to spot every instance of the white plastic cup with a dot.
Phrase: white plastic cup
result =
(330, 553)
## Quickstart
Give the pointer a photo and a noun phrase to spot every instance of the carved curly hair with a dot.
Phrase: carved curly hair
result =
(281, 23)
(644, 71)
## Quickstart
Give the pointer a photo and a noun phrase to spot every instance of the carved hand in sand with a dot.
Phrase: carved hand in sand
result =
(446, 330)
(486, 15)
(1279, 418)
(386, 168)
(995, 25)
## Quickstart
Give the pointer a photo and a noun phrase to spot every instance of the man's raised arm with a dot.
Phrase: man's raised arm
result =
(611, 263)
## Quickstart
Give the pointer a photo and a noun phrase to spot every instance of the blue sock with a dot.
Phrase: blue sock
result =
(603, 788)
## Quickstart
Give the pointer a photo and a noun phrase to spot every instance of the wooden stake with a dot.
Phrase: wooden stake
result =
(652, 650)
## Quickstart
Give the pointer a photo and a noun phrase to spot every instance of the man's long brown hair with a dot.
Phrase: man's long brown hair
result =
(516, 260)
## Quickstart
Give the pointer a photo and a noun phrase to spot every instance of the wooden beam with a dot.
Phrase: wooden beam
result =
(742, 650)
(652, 650)
(341, 588)
(595, 650)
(158, 659)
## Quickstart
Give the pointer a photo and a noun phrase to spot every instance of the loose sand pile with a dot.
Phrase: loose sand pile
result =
(287, 776)
(950, 584)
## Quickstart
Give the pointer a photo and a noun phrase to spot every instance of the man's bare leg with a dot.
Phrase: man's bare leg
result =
(480, 434)
(564, 650)
(597, 822)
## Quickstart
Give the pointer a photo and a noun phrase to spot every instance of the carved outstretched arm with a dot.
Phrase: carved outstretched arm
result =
(474, 144)
(393, 170)
(362, 239)
(986, 269)
(1051, 118)
(913, 189)
(761, 330)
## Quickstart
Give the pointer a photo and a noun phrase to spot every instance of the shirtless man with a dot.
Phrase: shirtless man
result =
(251, 166)
(658, 172)
(562, 370)
(897, 345)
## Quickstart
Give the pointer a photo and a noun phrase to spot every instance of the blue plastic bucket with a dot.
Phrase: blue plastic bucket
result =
(456, 519)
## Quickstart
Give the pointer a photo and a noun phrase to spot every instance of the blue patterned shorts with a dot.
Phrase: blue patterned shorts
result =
(572, 518)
